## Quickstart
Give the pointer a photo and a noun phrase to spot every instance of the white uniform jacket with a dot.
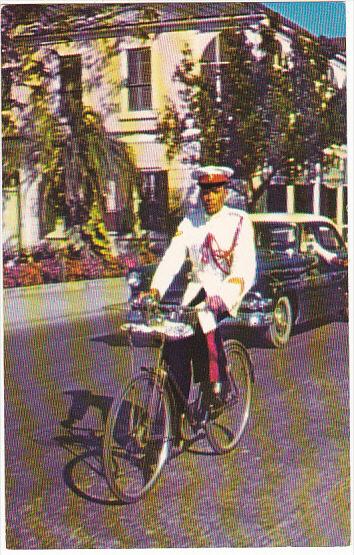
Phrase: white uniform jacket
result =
(222, 251)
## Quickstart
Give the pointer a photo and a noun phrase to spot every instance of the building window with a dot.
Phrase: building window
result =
(304, 198)
(71, 87)
(215, 67)
(277, 199)
(6, 82)
(212, 64)
(330, 75)
(153, 206)
(111, 197)
(139, 79)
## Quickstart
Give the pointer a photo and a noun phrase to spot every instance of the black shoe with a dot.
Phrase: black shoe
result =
(179, 440)
(217, 398)
(216, 404)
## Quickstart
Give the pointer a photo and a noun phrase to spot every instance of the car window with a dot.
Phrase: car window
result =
(270, 235)
(328, 237)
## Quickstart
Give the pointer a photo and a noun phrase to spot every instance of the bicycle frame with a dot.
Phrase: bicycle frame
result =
(164, 379)
(142, 423)
(195, 412)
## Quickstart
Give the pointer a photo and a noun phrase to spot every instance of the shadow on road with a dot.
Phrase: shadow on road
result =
(309, 326)
(114, 339)
(81, 401)
(83, 474)
(250, 337)
(254, 338)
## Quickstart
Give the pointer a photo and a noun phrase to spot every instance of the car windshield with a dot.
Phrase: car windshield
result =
(275, 236)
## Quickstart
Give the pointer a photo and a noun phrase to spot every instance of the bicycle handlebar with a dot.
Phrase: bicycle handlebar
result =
(159, 319)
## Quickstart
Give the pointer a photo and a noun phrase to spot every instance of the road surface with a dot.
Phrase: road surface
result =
(286, 484)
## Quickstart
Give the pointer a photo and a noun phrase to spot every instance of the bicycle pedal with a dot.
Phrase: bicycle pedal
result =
(178, 443)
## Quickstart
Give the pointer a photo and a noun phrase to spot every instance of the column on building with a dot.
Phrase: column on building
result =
(317, 190)
(29, 186)
(290, 198)
(334, 187)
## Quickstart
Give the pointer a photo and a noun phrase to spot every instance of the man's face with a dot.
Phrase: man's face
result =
(213, 198)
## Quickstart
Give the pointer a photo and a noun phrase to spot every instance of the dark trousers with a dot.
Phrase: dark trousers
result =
(204, 351)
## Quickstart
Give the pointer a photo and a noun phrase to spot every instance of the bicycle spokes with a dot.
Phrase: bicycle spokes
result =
(225, 423)
(139, 439)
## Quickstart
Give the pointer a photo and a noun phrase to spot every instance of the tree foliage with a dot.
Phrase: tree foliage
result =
(309, 78)
(76, 157)
(269, 108)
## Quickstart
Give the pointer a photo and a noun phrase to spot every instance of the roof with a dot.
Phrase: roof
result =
(43, 20)
(336, 43)
(40, 21)
(282, 217)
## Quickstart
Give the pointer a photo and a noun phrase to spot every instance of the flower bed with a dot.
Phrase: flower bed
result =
(30, 273)
(11, 276)
(114, 266)
(87, 266)
(52, 270)
(44, 265)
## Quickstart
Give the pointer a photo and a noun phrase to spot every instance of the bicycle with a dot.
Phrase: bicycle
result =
(142, 423)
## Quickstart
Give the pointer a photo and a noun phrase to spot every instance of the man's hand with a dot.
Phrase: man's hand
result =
(155, 294)
(149, 297)
(216, 304)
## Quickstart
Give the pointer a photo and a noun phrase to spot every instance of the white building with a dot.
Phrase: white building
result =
(108, 66)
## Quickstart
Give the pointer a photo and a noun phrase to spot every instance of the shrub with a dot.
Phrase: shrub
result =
(43, 251)
(147, 258)
(29, 273)
(52, 270)
(72, 263)
(92, 266)
(113, 267)
(82, 264)
(73, 269)
(8, 254)
(11, 276)
(95, 233)
(130, 261)
(72, 251)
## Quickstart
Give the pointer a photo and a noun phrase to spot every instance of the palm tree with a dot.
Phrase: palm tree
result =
(86, 158)
(74, 159)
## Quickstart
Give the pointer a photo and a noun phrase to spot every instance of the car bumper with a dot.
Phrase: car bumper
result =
(250, 319)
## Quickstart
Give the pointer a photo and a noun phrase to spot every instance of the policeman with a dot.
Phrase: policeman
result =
(219, 242)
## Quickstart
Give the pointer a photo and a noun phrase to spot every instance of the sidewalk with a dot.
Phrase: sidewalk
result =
(51, 302)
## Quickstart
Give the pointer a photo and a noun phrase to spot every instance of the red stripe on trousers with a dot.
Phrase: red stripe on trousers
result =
(213, 357)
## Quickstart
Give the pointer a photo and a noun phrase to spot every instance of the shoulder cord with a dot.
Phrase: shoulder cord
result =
(219, 254)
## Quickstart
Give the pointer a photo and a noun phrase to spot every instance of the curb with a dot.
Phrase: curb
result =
(49, 303)
(62, 287)
(69, 318)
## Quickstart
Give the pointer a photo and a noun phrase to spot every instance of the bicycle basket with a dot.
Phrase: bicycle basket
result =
(146, 329)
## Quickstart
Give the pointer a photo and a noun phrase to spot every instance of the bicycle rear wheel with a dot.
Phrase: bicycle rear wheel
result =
(137, 439)
(225, 426)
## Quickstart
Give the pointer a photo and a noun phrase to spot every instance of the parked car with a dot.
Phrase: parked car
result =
(302, 275)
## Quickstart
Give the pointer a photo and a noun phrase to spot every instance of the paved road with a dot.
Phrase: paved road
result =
(286, 484)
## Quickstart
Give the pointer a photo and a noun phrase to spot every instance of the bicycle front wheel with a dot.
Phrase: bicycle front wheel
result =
(137, 439)
(226, 425)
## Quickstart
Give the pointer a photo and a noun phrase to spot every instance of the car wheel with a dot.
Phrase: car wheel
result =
(279, 331)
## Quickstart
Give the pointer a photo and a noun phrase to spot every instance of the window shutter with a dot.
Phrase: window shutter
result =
(139, 78)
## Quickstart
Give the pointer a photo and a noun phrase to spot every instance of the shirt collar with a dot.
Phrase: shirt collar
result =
(212, 217)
